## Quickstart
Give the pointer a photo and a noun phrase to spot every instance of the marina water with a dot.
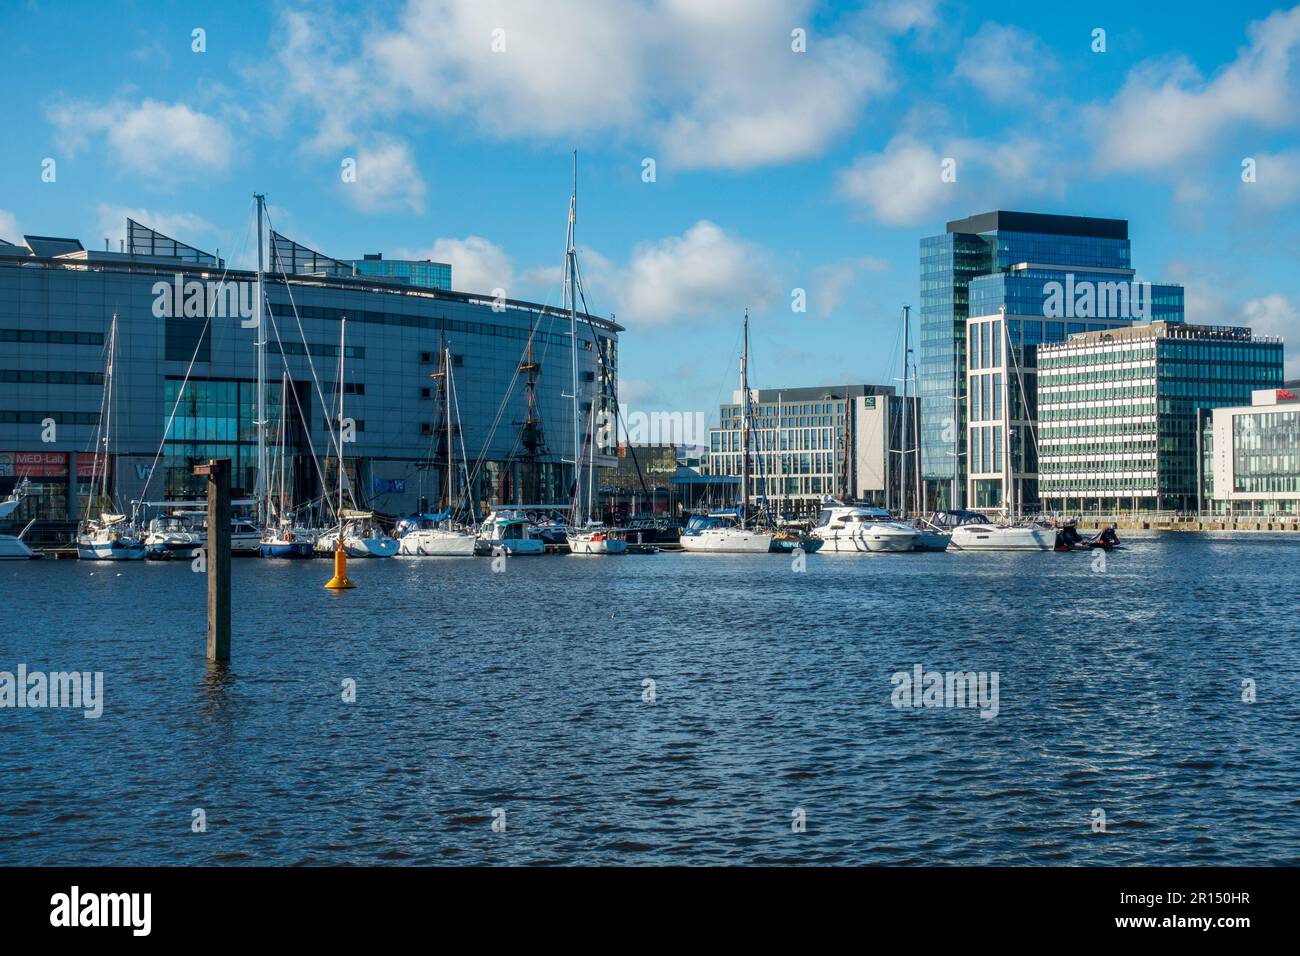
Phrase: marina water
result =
(665, 709)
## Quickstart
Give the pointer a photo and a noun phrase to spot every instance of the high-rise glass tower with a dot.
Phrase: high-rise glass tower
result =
(1030, 265)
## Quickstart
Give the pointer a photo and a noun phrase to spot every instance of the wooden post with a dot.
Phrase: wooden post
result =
(218, 474)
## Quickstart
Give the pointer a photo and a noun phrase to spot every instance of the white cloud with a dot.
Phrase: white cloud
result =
(831, 283)
(387, 178)
(1277, 315)
(164, 140)
(9, 228)
(1277, 180)
(1002, 62)
(710, 85)
(1167, 111)
(903, 184)
(902, 16)
(700, 274)
(477, 264)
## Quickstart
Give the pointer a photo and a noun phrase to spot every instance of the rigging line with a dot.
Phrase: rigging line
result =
(207, 322)
(302, 415)
(303, 334)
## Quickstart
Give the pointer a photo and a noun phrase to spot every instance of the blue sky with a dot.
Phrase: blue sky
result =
(775, 170)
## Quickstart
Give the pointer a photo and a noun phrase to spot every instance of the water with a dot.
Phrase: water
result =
(522, 692)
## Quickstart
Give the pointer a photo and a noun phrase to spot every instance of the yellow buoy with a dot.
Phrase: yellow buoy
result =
(340, 580)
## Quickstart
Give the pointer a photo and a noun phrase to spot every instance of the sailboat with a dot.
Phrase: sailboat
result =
(12, 547)
(977, 535)
(929, 537)
(106, 537)
(358, 531)
(721, 535)
(585, 534)
(434, 535)
(282, 537)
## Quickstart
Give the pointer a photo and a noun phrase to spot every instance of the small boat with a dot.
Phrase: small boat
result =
(12, 547)
(511, 532)
(362, 537)
(172, 537)
(288, 542)
(730, 533)
(108, 538)
(790, 539)
(433, 536)
(1068, 538)
(596, 539)
(972, 531)
(723, 534)
(861, 528)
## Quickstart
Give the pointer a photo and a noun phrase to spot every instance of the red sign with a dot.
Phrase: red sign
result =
(1285, 395)
(86, 464)
(34, 464)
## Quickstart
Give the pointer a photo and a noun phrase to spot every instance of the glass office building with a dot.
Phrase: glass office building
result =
(1011, 260)
(1253, 455)
(809, 443)
(422, 272)
(1121, 412)
(55, 314)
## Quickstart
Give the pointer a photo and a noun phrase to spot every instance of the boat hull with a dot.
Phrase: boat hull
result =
(287, 549)
(436, 545)
(995, 538)
(12, 549)
(888, 539)
(110, 551)
(727, 541)
(596, 544)
(927, 540)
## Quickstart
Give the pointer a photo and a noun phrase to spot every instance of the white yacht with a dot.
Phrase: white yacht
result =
(108, 538)
(972, 531)
(171, 536)
(861, 528)
(724, 534)
(362, 537)
(433, 538)
(596, 539)
(731, 533)
(12, 547)
(511, 532)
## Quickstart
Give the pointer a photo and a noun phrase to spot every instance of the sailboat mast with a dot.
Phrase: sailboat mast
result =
(1006, 417)
(744, 425)
(570, 282)
(916, 441)
(446, 410)
(108, 409)
(343, 322)
(284, 408)
(260, 342)
(904, 432)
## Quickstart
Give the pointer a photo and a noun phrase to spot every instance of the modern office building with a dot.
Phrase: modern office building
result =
(186, 372)
(807, 443)
(1120, 411)
(422, 272)
(1251, 460)
(1054, 276)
